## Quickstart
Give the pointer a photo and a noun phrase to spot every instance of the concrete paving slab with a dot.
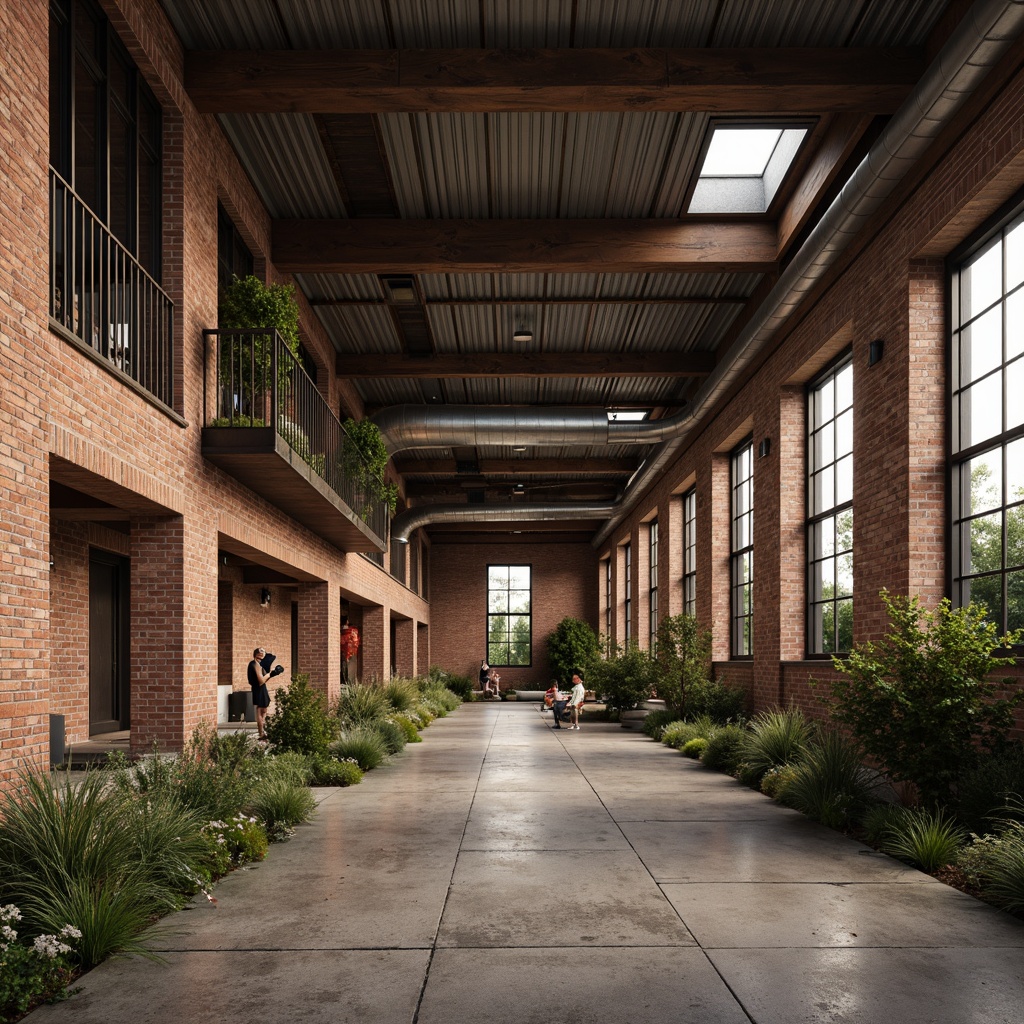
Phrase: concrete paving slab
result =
(556, 899)
(872, 986)
(595, 986)
(315, 987)
(627, 802)
(538, 821)
(735, 851)
(863, 914)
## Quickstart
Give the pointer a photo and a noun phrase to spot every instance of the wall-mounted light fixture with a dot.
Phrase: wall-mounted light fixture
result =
(876, 349)
(265, 597)
(764, 449)
(519, 489)
(522, 334)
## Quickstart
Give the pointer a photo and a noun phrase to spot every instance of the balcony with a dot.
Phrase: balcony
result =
(104, 302)
(268, 426)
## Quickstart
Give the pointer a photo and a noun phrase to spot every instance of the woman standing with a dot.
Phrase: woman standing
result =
(258, 678)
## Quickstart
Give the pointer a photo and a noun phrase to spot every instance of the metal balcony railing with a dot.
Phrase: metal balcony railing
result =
(104, 299)
(261, 383)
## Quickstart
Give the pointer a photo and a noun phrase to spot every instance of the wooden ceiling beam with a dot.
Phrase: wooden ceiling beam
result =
(529, 364)
(519, 467)
(570, 246)
(724, 80)
(540, 300)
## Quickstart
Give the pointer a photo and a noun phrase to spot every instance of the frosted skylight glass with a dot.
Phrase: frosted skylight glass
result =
(740, 152)
(627, 415)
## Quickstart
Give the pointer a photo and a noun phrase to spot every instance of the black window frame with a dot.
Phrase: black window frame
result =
(824, 556)
(498, 662)
(627, 557)
(741, 555)
(690, 552)
(962, 583)
(652, 593)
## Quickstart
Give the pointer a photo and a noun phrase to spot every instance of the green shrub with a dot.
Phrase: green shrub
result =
(715, 700)
(437, 695)
(327, 771)
(406, 724)
(655, 723)
(66, 859)
(361, 704)
(929, 840)
(977, 858)
(31, 975)
(362, 745)
(300, 721)
(829, 784)
(923, 701)
(281, 804)
(675, 734)
(987, 789)
(774, 738)
(461, 686)
(683, 656)
(878, 818)
(572, 644)
(775, 779)
(242, 837)
(695, 747)
(1006, 873)
(421, 716)
(391, 733)
(724, 749)
(294, 767)
(626, 679)
(402, 694)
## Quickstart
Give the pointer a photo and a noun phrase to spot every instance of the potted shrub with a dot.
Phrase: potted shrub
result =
(572, 645)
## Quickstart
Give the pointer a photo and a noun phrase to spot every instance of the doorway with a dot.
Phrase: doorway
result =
(109, 689)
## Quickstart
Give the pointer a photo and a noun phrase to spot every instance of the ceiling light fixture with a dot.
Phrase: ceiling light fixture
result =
(521, 334)
(519, 448)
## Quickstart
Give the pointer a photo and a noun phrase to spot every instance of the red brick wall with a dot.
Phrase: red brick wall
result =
(563, 585)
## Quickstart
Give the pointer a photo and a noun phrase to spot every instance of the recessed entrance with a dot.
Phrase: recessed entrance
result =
(108, 643)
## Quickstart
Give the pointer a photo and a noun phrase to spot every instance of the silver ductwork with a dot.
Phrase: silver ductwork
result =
(403, 525)
(980, 41)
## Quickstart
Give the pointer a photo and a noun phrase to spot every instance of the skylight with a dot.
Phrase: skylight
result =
(744, 165)
(627, 415)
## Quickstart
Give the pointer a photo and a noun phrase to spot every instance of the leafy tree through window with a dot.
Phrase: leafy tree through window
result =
(509, 627)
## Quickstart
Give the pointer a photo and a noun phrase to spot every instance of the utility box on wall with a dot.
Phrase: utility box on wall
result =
(240, 707)
(57, 745)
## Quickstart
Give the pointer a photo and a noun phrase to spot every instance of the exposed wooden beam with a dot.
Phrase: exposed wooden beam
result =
(591, 246)
(530, 364)
(519, 467)
(773, 81)
(839, 142)
(534, 300)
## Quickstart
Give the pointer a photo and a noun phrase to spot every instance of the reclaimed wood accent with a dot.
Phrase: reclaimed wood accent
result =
(530, 364)
(787, 80)
(583, 246)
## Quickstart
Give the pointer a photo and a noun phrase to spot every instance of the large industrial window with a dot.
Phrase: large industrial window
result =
(627, 556)
(509, 625)
(742, 550)
(830, 511)
(987, 419)
(653, 599)
(690, 552)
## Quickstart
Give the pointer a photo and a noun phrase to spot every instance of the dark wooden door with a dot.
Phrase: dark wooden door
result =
(108, 643)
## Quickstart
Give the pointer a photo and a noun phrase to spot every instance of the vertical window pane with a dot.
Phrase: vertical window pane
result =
(508, 622)
(981, 281)
(742, 565)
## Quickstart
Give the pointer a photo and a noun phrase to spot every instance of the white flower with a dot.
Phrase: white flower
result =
(10, 913)
(8, 932)
(49, 946)
(69, 931)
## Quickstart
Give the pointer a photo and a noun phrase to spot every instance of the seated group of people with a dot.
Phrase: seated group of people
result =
(489, 680)
(559, 702)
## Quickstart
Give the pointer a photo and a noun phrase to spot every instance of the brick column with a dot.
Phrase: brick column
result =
(158, 654)
(405, 647)
(376, 642)
(670, 556)
(319, 636)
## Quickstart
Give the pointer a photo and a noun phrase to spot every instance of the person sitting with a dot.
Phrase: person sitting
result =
(558, 703)
(549, 695)
(491, 685)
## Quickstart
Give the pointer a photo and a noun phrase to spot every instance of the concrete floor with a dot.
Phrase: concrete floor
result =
(502, 872)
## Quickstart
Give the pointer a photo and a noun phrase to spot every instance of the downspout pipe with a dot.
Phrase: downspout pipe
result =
(403, 525)
(980, 41)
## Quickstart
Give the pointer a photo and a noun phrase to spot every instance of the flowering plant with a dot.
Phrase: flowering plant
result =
(31, 974)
